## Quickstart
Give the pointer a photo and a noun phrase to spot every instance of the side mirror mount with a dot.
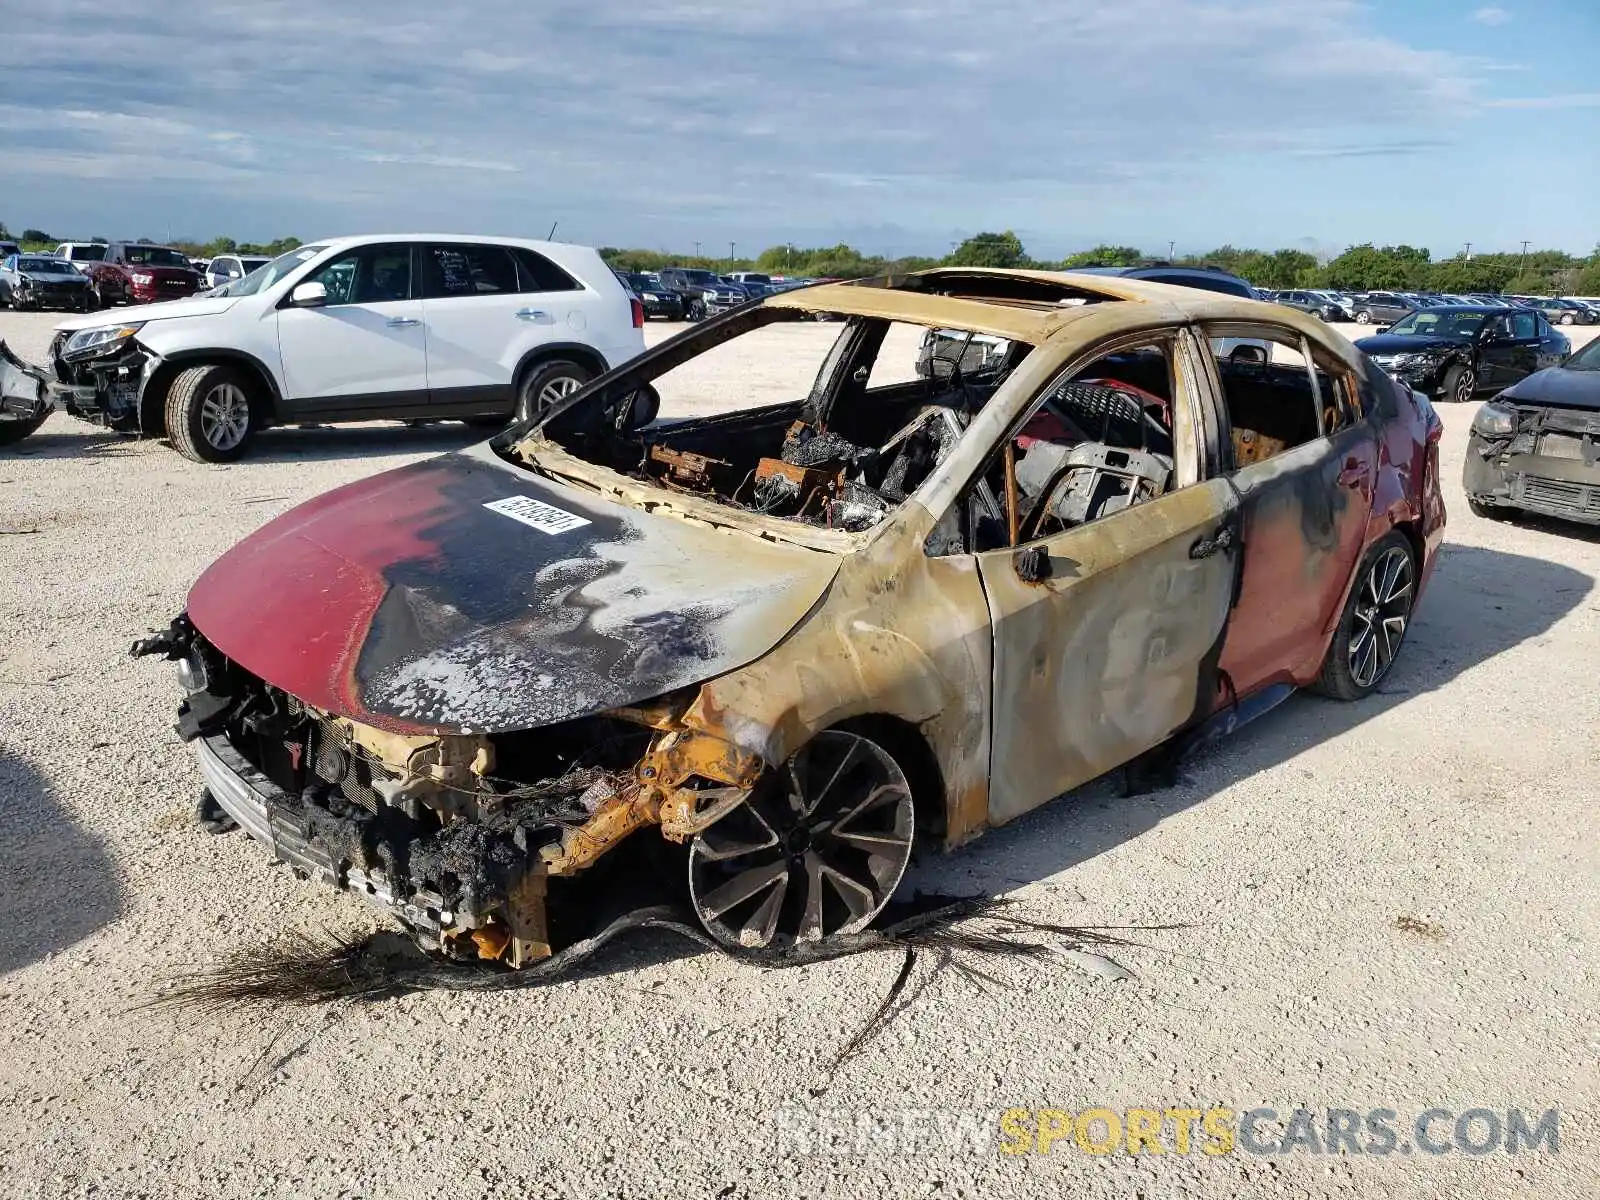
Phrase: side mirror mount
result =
(308, 295)
(638, 409)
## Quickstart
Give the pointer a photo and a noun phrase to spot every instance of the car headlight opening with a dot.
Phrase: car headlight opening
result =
(86, 343)
(1495, 420)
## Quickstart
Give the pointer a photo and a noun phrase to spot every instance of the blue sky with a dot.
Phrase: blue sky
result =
(899, 127)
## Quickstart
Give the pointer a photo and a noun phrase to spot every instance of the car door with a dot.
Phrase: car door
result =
(479, 325)
(1526, 344)
(1303, 464)
(1105, 633)
(362, 353)
(1496, 351)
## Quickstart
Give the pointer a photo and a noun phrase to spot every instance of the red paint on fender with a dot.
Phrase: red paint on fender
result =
(293, 602)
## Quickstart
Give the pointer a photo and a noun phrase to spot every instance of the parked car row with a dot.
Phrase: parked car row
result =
(694, 293)
(1386, 307)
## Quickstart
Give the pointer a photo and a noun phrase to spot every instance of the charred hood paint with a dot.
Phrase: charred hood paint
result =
(403, 602)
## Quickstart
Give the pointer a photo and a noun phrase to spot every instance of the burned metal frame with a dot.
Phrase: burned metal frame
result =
(933, 656)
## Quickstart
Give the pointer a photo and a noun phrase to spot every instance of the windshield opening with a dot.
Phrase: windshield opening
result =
(830, 426)
(1440, 323)
(269, 274)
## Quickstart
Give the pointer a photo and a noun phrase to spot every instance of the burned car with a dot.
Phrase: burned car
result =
(788, 644)
(1536, 446)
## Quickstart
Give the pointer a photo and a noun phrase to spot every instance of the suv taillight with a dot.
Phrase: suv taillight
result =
(638, 312)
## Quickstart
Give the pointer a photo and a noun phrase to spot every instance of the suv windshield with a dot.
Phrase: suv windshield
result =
(1440, 324)
(265, 277)
(89, 253)
(155, 256)
(703, 278)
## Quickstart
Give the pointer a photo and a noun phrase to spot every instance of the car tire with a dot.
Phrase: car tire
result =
(1363, 317)
(1460, 383)
(546, 384)
(842, 809)
(1567, 318)
(12, 432)
(210, 414)
(697, 311)
(1373, 625)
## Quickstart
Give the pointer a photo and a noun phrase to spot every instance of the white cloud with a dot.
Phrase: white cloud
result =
(790, 116)
(1567, 100)
(1489, 14)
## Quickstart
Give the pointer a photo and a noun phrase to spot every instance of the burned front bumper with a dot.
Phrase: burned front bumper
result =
(353, 852)
(1551, 465)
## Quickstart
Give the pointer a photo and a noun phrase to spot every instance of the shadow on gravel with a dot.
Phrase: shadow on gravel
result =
(1479, 603)
(91, 443)
(57, 884)
(293, 444)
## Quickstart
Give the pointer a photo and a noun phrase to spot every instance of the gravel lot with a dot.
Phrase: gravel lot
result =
(1392, 904)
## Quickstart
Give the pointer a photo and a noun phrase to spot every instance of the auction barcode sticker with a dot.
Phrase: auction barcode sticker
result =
(546, 518)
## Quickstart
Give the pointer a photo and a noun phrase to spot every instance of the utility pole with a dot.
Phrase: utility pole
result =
(1524, 257)
(697, 249)
(730, 256)
(1170, 245)
(1469, 251)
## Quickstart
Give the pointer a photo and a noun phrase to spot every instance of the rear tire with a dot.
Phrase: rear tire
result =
(209, 414)
(1363, 317)
(1567, 318)
(546, 385)
(1373, 626)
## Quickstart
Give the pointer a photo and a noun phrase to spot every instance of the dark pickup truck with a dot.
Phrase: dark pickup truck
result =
(136, 273)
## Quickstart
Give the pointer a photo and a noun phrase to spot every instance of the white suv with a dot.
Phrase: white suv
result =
(354, 329)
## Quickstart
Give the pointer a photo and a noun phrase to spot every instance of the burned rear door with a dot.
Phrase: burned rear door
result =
(1303, 461)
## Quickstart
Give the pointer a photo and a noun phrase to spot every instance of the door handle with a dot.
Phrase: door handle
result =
(1206, 547)
(532, 314)
(403, 322)
(1354, 473)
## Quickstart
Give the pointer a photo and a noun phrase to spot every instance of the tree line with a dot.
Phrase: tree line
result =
(1359, 268)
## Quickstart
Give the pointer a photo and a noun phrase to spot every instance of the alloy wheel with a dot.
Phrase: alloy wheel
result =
(225, 416)
(1382, 608)
(555, 391)
(815, 852)
(1466, 386)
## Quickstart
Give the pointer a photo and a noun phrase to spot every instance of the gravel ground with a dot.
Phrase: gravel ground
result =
(1388, 904)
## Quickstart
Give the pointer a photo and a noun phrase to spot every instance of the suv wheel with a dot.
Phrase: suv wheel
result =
(209, 417)
(546, 385)
(1567, 318)
(1363, 317)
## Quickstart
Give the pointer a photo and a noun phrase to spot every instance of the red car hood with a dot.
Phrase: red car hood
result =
(462, 594)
